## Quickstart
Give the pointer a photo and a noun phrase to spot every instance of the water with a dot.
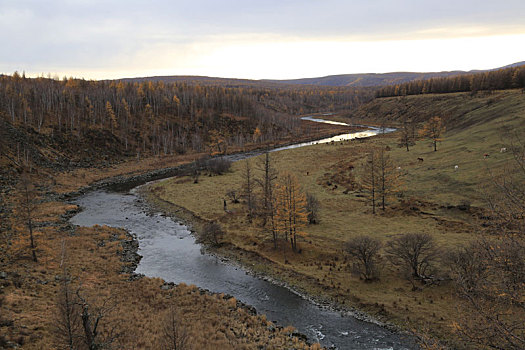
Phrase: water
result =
(372, 131)
(169, 251)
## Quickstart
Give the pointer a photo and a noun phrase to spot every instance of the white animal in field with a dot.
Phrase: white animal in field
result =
(456, 167)
(503, 150)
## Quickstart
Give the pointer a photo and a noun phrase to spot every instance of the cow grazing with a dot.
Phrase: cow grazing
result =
(419, 159)
(456, 167)
(503, 150)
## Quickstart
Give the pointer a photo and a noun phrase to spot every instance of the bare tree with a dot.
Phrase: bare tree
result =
(312, 207)
(91, 317)
(212, 233)
(248, 190)
(267, 183)
(67, 319)
(195, 172)
(28, 206)
(175, 336)
(490, 273)
(415, 251)
(369, 177)
(489, 279)
(388, 178)
(406, 135)
(233, 195)
(365, 250)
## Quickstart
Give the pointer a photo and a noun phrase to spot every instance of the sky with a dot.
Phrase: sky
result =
(262, 39)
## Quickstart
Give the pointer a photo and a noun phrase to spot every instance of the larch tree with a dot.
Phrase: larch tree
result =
(67, 320)
(369, 176)
(27, 207)
(433, 129)
(267, 184)
(406, 135)
(388, 177)
(175, 335)
(111, 116)
(248, 189)
(291, 213)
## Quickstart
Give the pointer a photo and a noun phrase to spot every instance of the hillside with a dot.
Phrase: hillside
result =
(367, 79)
(435, 198)
(382, 79)
(360, 80)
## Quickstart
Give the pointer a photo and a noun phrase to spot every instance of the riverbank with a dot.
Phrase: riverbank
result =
(101, 261)
(322, 270)
(253, 262)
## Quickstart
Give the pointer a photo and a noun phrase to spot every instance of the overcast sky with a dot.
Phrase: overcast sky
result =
(99, 39)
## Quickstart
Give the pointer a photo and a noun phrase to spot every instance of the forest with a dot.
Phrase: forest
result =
(501, 79)
(164, 118)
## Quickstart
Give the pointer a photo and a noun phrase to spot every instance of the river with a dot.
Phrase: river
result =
(169, 251)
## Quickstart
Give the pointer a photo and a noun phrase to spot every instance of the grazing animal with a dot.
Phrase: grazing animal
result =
(456, 167)
(486, 155)
(419, 159)
(503, 150)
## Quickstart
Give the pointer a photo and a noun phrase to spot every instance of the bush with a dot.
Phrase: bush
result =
(312, 207)
(218, 166)
(365, 250)
(415, 251)
(211, 234)
(233, 196)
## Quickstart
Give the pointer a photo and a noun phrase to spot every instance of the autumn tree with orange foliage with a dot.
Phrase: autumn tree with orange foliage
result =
(432, 130)
(291, 214)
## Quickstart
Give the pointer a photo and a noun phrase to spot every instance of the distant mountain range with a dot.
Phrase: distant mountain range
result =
(350, 80)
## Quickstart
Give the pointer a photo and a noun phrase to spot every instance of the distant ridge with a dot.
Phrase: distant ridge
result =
(340, 80)
(380, 79)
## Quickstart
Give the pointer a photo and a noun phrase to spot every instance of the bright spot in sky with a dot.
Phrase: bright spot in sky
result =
(272, 39)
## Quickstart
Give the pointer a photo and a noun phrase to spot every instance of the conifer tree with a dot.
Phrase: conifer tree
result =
(432, 130)
(291, 213)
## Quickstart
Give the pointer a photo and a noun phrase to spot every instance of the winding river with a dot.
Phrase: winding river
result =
(169, 251)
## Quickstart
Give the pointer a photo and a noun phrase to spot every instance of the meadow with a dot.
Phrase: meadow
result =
(444, 195)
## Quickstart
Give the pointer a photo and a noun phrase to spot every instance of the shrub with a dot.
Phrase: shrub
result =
(415, 251)
(218, 166)
(365, 250)
(312, 207)
(211, 234)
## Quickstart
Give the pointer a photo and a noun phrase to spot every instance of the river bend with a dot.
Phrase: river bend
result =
(169, 251)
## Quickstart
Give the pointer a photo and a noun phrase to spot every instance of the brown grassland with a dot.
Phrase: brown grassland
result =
(29, 290)
(436, 197)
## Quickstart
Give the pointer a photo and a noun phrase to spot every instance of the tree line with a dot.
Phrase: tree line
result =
(501, 79)
(164, 118)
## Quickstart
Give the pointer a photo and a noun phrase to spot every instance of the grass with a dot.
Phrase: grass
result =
(476, 125)
(28, 295)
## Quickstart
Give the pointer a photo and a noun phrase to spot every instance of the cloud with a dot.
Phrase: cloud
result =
(232, 36)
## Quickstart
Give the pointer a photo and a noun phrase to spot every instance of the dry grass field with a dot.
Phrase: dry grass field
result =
(435, 198)
(29, 291)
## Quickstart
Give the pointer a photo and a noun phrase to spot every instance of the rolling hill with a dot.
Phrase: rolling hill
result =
(340, 80)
